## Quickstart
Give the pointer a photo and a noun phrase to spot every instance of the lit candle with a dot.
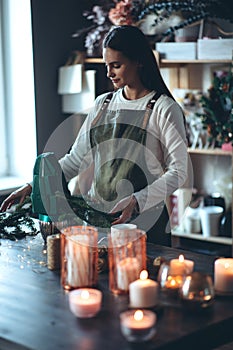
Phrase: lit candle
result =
(223, 275)
(85, 302)
(128, 270)
(138, 325)
(143, 292)
(181, 266)
(174, 282)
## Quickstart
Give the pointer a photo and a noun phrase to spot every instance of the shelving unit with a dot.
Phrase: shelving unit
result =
(214, 152)
(220, 240)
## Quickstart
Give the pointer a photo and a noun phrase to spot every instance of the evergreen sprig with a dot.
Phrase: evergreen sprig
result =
(83, 209)
(18, 224)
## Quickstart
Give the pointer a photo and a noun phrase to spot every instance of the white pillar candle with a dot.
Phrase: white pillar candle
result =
(181, 266)
(78, 261)
(128, 270)
(143, 292)
(85, 302)
(223, 275)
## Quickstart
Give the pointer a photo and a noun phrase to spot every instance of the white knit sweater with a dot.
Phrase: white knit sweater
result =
(168, 160)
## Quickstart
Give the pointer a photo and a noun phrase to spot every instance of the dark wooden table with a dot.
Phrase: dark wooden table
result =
(35, 314)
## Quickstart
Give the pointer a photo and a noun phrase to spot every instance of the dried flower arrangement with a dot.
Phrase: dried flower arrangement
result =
(134, 12)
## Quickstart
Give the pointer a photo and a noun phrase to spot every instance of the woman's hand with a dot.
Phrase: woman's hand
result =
(20, 194)
(127, 206)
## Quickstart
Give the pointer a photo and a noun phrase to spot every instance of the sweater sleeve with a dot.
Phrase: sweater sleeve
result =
(168, 158)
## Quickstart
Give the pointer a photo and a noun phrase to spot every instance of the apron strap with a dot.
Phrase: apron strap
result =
(102, 109)
(149, 108)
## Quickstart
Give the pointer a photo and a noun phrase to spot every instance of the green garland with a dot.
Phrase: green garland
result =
(84, 210)
(18, 224)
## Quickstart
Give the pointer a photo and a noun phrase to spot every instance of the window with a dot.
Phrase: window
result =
(17, 101)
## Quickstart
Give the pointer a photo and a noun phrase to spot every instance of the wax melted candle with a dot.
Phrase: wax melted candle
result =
(143, 292)
(138, 325)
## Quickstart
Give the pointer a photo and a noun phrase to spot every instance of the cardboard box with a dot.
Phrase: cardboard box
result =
(215, 49)
(177, 51)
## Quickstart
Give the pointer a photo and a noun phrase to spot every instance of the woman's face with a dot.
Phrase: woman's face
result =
(120, 69)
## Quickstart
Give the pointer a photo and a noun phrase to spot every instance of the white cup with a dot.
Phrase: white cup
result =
(210, 217)
(121, 233)
(192, 220)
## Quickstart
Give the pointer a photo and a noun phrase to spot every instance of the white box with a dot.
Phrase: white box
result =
(177, 51)
(215, 49)
(70, 79)
(81, 102)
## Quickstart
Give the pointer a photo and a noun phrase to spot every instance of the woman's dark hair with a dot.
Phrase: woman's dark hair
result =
(134, 45)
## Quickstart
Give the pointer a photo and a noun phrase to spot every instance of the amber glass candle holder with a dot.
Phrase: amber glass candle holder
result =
(127, 258)
(79, 257)
(169, 283)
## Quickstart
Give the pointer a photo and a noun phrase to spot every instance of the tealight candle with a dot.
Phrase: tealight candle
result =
(181, 266)
(223, 275)
(85, 302)
(143, 292)
(138, 325)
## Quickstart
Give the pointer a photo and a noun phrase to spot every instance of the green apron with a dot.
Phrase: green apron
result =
(118, 140)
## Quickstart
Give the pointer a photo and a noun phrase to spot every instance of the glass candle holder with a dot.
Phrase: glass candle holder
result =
(79, 257)
(197, 291)
(138, 325)
(169, 283)
(126, 260)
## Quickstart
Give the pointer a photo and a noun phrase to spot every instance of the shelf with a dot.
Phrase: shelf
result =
(214, 152)
(220, 240)
(94, 60)
(166, 61)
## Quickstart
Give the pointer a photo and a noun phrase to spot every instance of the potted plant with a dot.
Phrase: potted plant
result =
(217, 109)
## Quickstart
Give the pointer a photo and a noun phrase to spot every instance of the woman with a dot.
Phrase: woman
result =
(131, 150)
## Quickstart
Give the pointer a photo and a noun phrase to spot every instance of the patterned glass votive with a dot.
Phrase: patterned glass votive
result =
(126, 260)
(197, 292)
(79, 257)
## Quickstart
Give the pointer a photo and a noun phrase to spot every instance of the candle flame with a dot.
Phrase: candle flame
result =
(181, 258)
(173, 282)
(138, 315)
(143, 275)
(85, 294)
